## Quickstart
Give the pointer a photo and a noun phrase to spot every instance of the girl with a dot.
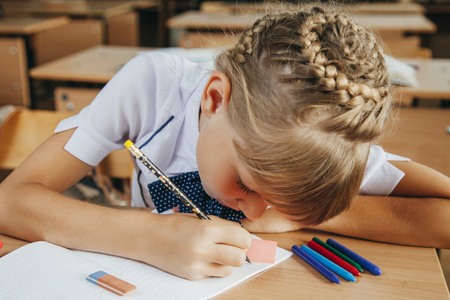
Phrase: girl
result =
(286, 118)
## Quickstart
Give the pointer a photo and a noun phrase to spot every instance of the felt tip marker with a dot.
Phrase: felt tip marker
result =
(356, 257)
(340, 262)
(338, 254)
(329, 264)
(315, 264)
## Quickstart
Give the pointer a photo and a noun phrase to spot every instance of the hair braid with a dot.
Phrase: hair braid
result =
(309, 94)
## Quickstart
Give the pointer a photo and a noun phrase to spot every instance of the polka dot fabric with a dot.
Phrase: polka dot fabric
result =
(191, 185)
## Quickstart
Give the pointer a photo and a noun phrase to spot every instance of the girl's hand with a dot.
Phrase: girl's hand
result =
(194, 249)
(270, 222)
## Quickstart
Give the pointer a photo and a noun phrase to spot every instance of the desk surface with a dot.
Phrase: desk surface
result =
(96, 65)
(408, 273)
(392, 23)
(247, 7)
(420, 134)
(433, 76)
(99, 64)
(28, 26)
(75, 8)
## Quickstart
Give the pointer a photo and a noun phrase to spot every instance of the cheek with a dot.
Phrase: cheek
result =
(214, 165)
(216, 180)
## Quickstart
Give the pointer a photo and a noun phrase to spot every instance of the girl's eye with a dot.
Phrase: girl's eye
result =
(243, 187)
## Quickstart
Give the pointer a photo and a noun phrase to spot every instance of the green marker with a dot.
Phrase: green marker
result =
(337, 253)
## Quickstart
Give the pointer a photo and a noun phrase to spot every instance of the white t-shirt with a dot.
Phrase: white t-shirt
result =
(154, 101)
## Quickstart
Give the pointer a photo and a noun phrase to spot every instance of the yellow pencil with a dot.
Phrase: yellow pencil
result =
(164, 179)
(167, 182)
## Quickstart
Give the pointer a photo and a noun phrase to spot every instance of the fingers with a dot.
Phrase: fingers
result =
(192, 248)
(230, 233)
(217, 263)
(228, 255)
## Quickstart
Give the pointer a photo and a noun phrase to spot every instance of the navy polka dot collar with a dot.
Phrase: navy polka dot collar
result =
(191, 185)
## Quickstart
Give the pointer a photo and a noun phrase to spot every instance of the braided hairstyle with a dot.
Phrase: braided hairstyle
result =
(310, 93)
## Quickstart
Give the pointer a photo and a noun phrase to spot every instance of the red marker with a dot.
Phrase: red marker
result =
(319, 249)
(1, 244)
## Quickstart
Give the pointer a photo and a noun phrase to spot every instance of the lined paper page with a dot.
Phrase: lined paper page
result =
(173, 287)
(45, 271)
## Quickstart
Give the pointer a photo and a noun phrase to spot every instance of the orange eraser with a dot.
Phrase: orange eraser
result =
(262, 251)
(111, 283)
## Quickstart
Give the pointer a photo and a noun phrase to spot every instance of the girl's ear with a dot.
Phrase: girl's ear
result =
(216, 93)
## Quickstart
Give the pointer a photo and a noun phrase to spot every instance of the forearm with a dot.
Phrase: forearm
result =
(400, 220)
(34, 212)
(180, 244)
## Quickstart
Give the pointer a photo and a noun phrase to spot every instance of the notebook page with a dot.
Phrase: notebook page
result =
(173, 287)
(43, 271)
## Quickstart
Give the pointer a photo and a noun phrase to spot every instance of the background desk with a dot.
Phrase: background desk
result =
(261, 7)
(392, 28)
(15, 54)
(92, 23)
(433, 76)
(94, 65)
(420, 134)
(408, 273)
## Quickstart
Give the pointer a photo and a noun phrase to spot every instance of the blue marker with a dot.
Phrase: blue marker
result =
(315, 264)
(360, 260)
(329, 264)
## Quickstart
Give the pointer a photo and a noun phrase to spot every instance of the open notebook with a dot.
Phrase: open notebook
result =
(42, 270)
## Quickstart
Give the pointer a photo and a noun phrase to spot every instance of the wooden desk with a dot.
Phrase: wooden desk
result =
(373, 8)
(28, 26)
(94, 65)
(408, 273)
(392, 23)
(391, 27)
(433, 76)
(119, 20)
(420, 134)
(97, 64)
(103, 9)
(14, 55)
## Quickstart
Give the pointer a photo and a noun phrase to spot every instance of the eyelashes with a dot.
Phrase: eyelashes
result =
(243, 188)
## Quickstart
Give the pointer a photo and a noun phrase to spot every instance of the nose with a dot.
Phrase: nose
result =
(252, 209)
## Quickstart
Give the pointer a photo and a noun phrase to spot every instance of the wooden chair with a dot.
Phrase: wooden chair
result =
(22, 130)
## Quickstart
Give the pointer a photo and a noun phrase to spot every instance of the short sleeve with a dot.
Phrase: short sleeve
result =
(126, 108)
(381, 177)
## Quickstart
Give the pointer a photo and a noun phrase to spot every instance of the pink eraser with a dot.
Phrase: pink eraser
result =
(110, 283)
(262, 251)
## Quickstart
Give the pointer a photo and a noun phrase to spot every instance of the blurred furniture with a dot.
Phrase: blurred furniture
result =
(433, 76)
(398, 26)
(91, 23)
(23, 130)
(17, 55)
(420, 134)
(94, 65)
(262, 7)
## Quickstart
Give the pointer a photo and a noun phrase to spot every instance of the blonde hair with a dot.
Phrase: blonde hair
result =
(310, 92)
